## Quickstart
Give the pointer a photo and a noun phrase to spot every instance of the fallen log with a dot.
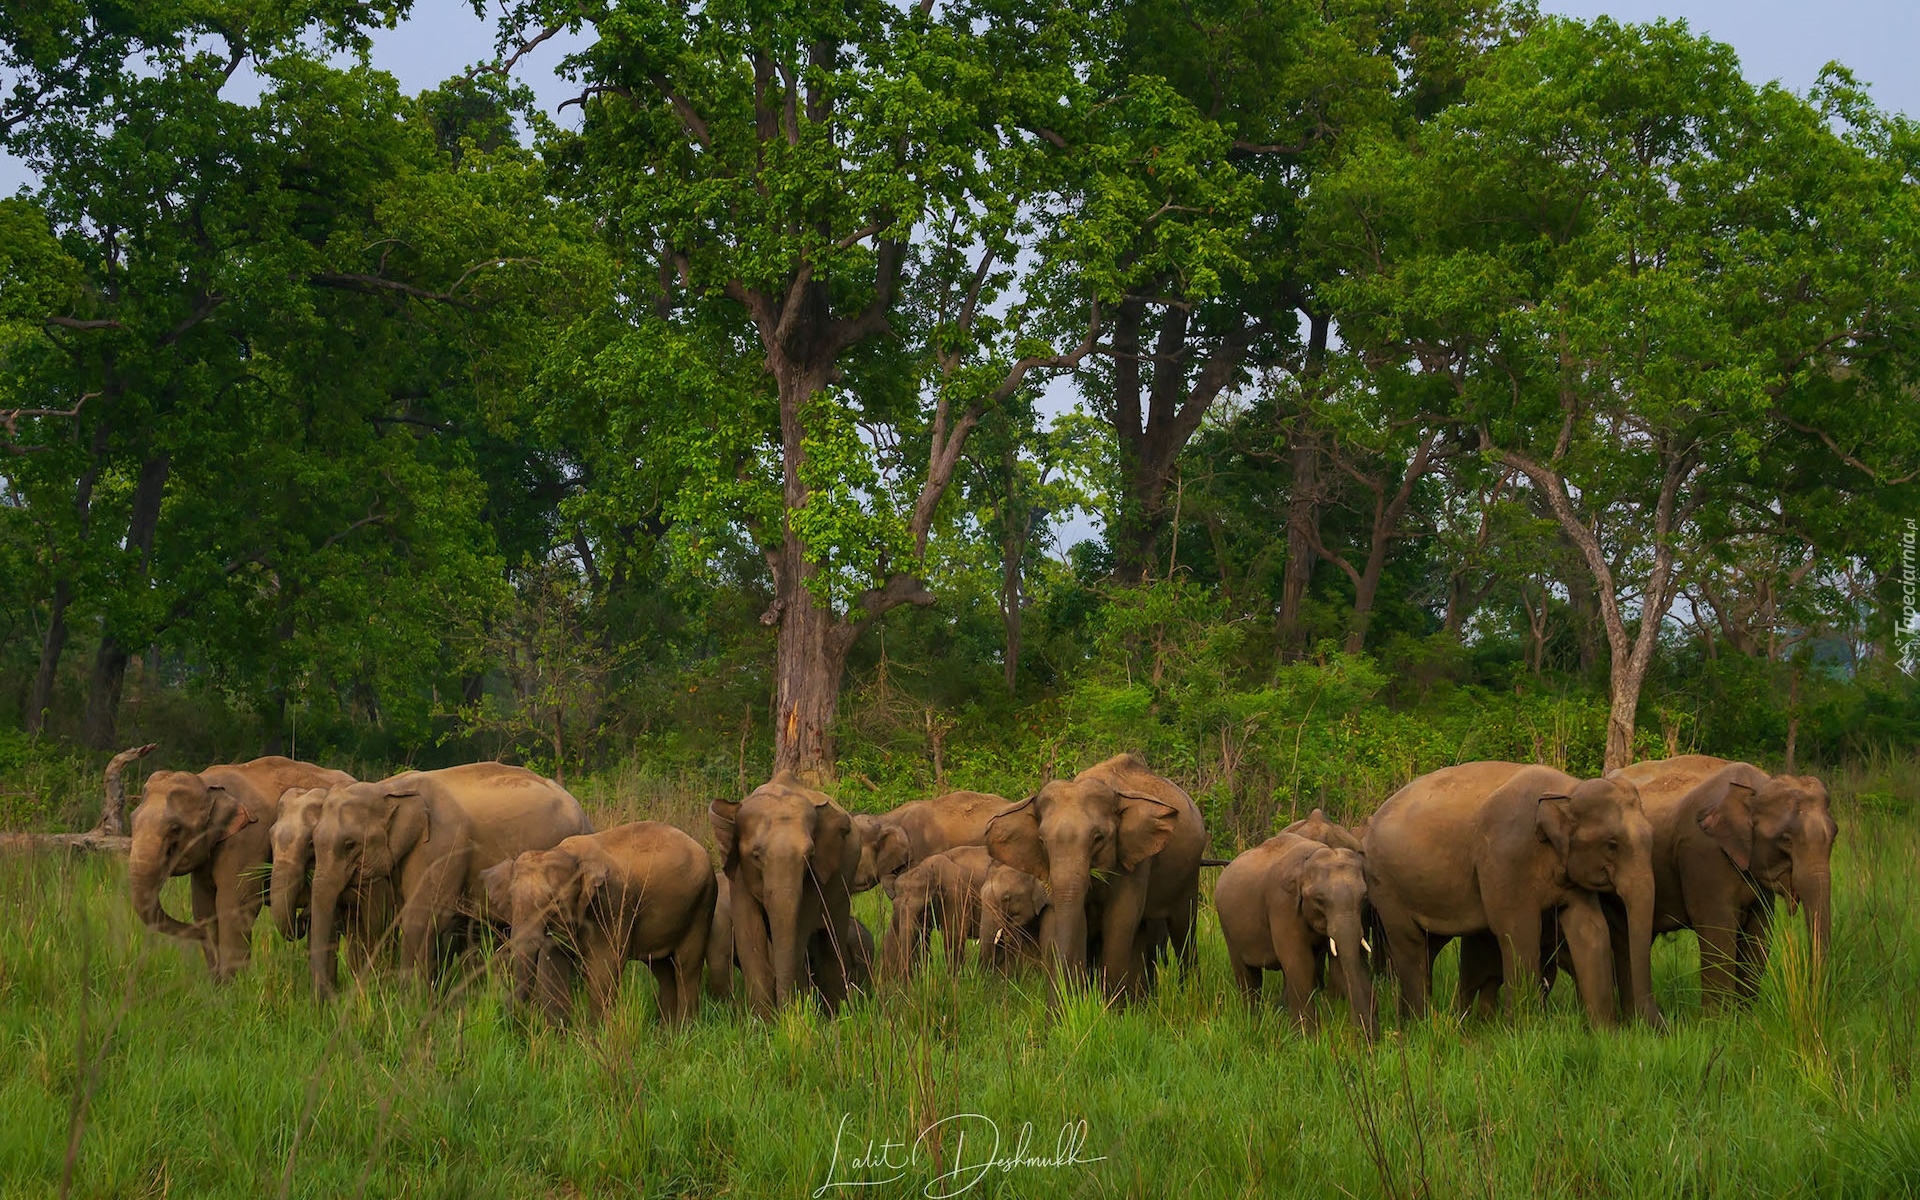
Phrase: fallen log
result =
(107, 837)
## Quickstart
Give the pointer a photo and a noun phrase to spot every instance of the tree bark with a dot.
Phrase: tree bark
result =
(55, 642)
(110, 662)
(1629, 656)
(1016, 527)
(1303, 503)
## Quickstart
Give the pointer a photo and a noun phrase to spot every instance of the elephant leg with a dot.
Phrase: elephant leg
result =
(1295, 950)
(1249, 978)
(1583, 925)
(604, 963)
(1121, 951)
(1518, 936)
(236, 902)
(1182, 929)
(1750, 950)
(688, 958)
(1719, 949)
(1412, 967)
(1480, 967)
(830, 965)
(206, 922)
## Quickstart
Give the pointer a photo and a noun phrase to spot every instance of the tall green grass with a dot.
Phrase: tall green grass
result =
(124, 1072)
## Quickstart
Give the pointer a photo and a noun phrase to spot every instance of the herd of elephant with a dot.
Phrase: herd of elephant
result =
(1535, 871)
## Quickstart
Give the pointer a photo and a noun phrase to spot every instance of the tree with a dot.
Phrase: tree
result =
(819, 214)
(1641, 278)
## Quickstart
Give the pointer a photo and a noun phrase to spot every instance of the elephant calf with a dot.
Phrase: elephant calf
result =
(364, 915)
(941, 891)
(1013, 913)
(893, 841)
(1286, 904)
(642, 892)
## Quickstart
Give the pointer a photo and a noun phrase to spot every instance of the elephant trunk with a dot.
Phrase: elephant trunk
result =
(322, 934)
(289, 893)
(991, 926)
(525, 949)
(1813, 884)
(782, 888)
(148, 869)
(1068, 945)
(1635, 889)
(1358, 980)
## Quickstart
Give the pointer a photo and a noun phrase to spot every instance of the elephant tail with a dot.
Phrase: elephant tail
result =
(1215, 862)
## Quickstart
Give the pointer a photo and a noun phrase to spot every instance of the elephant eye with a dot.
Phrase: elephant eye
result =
(1613, 845)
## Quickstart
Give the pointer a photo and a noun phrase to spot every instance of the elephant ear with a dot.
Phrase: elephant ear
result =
(832, 831)
(1146, 824)
(1013, 837)
(1728, 819)
(407, 827)
(497, 880)
(722, 814)
(1553, 822)
(592, 878)
(227, 815)
(891, 850)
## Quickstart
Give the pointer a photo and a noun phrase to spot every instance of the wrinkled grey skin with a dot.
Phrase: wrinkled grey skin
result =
(641, 892)
(941, 891)
(790, 855)
(1013, 906)
(1300, 907)
(215, 826)
(1119, 849)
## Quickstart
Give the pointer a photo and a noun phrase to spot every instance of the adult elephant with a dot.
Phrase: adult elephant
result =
(891, 842)
(642, 892)
(1497, 848)
(1119, 848)
(213, 825)
(427, 835)
(790, 854)
(1727, 839)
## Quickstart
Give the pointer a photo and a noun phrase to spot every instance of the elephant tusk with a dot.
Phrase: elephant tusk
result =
(1366, 945)
(1335, 943)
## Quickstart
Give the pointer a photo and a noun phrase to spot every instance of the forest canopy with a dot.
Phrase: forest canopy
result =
(1303, 394)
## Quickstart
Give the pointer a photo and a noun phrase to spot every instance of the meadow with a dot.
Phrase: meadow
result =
(126, 1073)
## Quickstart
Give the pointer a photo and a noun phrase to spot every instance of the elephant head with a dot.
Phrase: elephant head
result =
(1779, 830)
(883, 853)
(1331, 895)
(1602, 842)
(365, 831)
(1072, 834)
(782, 843)
(1011, 903)
(548, 894)
(293, 860)
(181, 819)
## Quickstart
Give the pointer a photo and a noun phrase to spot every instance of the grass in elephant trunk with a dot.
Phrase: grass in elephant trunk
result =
(181, 1087)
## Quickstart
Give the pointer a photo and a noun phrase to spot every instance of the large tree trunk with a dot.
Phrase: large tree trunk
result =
(110, 662)
(51, 647)
(810, 661)
(55, 642)
(1303, 503)
(1016, 526)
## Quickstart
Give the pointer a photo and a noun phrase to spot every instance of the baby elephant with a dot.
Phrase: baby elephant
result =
(941, 891)
(1286, 902)
(1012, 906)
(641, 892)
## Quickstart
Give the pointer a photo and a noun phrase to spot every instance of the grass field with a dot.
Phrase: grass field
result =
(125, 1072)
